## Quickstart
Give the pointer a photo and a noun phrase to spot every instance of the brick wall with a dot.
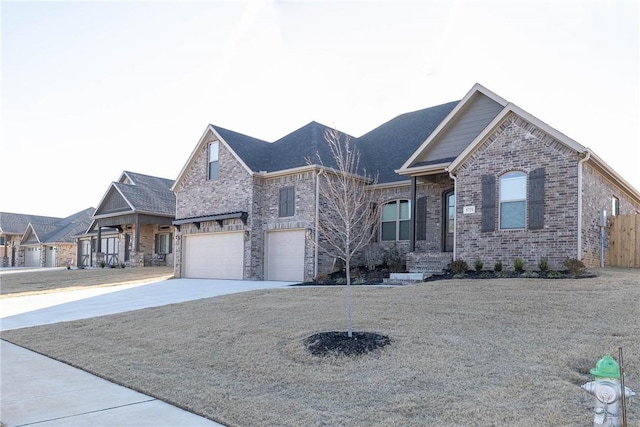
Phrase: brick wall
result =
(518, 145)
(598, 193)
(198, 196)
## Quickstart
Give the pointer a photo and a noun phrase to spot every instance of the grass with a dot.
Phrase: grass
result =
(30, 282)
(463, 352)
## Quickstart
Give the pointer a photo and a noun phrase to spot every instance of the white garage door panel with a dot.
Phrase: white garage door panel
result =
(32, 257)
(214, 256)
(285, 255)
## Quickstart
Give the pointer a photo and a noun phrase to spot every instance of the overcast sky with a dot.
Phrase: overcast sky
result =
(90, 89)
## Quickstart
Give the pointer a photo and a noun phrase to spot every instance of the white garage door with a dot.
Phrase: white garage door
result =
(214, 256)
(32, 257)
(285, 255)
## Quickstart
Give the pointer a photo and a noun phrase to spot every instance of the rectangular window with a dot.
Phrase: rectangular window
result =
(513, 200)
(615, 206)
(395, 220)
(213, 160)
(163, 243)
(286, 204)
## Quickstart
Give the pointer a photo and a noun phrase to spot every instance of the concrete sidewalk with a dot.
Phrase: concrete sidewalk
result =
(37, 389)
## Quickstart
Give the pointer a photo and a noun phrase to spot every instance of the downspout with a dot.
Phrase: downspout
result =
(455, 213)
(580, 162)
(316, 237)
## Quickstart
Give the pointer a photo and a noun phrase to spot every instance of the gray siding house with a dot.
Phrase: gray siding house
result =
(132, 224)
(478, 178)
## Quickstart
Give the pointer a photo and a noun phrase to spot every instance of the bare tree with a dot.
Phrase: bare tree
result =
(347, 214)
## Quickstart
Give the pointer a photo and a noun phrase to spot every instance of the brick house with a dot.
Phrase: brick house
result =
(41, 241)
(132, 224)
(478, 178)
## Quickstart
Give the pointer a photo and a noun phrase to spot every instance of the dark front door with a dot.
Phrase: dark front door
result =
(449, 220)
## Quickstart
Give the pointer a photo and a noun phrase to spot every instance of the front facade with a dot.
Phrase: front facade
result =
(474, 179)
(132, 224)
(40, 241)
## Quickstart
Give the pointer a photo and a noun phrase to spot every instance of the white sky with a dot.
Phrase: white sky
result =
(90, 89)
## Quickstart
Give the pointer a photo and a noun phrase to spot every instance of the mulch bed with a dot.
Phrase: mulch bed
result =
(339, 343)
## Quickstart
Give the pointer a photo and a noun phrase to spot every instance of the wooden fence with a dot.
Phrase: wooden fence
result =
(624, 241)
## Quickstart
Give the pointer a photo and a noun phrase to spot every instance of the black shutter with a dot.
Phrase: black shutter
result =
(286, 203)
(488, 203)
(170, 243)
(536, 199)
(156, 239)
(376, 226)
(291, 201)
(421, 218)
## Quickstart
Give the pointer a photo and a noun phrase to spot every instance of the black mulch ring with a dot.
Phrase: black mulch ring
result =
(339, 343)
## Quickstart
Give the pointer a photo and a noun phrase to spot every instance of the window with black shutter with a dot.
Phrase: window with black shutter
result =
(488, 203)
(286, 205)
(536, 199)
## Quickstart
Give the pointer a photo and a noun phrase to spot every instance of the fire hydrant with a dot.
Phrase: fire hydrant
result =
(607, 390)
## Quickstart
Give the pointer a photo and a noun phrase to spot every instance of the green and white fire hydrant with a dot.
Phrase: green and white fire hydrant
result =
(607, 390)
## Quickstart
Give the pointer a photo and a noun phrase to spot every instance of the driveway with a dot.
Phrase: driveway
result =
(42, 309)
(38, 390)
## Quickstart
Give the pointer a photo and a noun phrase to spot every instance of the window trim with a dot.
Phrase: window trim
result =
(397, 220)
(212, 161)
(615, 206)
(158, 243)
(522, 175)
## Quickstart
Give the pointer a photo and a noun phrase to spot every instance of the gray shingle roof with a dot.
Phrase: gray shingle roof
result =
(14, 223)
(48, 229)
(148, 193)
(383, 149)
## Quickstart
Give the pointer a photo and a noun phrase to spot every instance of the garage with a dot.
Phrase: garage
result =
(214, 256)
(285, 255)
(32, 257)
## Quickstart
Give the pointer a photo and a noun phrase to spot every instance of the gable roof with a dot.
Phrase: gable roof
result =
(63, 230)
(382, 149)
(428, 141)
(136, 192)
(15, 223)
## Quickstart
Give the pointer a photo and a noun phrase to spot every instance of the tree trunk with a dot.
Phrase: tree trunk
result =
(349, 323)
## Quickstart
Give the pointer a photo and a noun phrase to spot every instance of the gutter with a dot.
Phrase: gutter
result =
(580, 162)
(455, 213)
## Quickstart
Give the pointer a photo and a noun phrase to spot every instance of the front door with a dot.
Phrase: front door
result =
(449, 220)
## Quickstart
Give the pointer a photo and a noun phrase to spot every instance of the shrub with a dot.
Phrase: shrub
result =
(341, 280)
(394, 260)
(485, 275)
(355, 272)
(518, 265)
(553, 275)
(322, 277)
(497, 266)
(103, 264)
(543, 264)
(575, 266)
(458, 266)
(477, 264)
(372, 256)
(530, 274)
(122, 265)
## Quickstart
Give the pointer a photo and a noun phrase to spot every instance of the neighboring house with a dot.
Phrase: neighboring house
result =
(474, 179)
(132, 224)
(41, 241)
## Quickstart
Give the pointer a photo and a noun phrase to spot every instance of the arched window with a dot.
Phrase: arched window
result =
(513, 200)
(395, 220)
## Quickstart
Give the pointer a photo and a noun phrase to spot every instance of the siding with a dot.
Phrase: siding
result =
(469, 123)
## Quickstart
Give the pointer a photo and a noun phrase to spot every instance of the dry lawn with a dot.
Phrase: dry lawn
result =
(464, 352)
(29, 282)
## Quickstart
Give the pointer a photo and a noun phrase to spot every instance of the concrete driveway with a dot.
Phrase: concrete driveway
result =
(38, 390)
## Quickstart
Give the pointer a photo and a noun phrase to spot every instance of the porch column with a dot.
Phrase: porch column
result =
(136, 247)
(412, 215)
